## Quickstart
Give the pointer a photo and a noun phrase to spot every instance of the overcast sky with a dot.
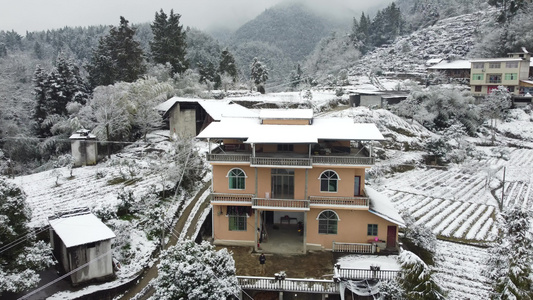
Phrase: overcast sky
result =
(34, 15)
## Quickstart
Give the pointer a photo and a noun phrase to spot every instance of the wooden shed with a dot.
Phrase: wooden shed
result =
(82, 244)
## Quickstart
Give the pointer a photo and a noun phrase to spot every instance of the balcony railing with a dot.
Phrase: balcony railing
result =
(342, 160)
(282, 162)
(233, 198)
(288, 285)
(285, 204)
(229, 157)
(366, 274)
(362, 202)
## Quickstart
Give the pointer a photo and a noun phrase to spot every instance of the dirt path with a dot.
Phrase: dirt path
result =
(151, 273)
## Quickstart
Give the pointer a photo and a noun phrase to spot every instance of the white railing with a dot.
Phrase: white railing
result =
(281, 161)
(288, 204)
(223, 197)
(354, 247)
(288, 285)
(342, 160)
(229, 157)
(359, 274)
(344, 201)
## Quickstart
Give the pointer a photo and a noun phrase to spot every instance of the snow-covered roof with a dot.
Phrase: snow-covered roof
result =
(381, 206)
(433, 61)
(82, 134)
(81, 229)
(217, 109)
(451, 65)
(327, 129)
(286, 114)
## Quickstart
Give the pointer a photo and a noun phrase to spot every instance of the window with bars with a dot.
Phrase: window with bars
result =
(236, 179)
(372, 229)
(329, 181)
(327, 222)
(510, 76)
(477, 76)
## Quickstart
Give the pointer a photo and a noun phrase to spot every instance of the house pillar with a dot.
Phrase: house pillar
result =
(257, 230)
(209, 146)
(305, 232)
(280, 295)
(253, 150)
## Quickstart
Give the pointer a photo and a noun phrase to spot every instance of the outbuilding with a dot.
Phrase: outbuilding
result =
(82, 244)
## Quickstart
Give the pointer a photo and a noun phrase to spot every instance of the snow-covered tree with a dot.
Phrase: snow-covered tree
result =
(168, 44)
(195, 271)
(416, 280)
(419, 235)
(259, 74)
(495, 106)
(227, 65)
(118, 57)
(19, 262)
(510, 259)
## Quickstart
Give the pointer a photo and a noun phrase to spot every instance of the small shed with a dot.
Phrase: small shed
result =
(82, 244)
(84, 148)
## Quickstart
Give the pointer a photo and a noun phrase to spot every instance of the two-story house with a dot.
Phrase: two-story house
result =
(512, 72)
(287, 179)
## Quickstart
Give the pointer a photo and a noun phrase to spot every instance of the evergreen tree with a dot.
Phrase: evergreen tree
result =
(259, 74)
(296, 76)
(208, 73)
(508, 8)
(19, 260)
(510, 259)
(417, 282)
(195, 271)
(169, 43)
(54, 91)
(227, 65)
(118, 57)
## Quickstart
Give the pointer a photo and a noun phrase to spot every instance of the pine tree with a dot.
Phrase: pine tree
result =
(118, 57)
(227, 64)
(510, 259)
(259, 74)
(508, 8)
(169, 43)
(417, 282)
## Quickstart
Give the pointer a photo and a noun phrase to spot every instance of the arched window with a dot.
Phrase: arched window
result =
(236, 178)
(327, 222)
(328, 181)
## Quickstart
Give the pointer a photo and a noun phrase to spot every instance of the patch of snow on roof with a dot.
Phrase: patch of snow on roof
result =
(81, 229)
(452, 65)
(286, 113)
(381, 206)
(356, 261)
(236, 128)
(217, 109)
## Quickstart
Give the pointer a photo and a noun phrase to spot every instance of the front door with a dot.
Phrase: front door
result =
(282, 183)
(357, 186)
(391, 237)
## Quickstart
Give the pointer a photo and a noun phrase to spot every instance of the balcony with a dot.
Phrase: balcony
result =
(231, 199)
(327, 156)
(280, 204)
(340, 202)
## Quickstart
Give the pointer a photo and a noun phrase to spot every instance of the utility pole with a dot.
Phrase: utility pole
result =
(503, 189)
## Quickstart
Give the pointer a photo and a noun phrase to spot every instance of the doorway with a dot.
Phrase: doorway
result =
(391, 236)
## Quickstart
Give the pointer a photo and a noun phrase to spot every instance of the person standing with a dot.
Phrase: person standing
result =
(262, 261)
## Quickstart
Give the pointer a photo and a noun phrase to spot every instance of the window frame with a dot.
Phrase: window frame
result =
(371, 229)
(236, 179)
(478, 88)
(478, 65)
(495, 65)
(328, 225)
(511, 64)
(328, 181)
(510, 76)
(237, 218)
(477, 76)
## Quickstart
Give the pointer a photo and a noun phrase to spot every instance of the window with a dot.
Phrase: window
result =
(237, 179)
(478, 65)
(477, 76)
(510, 89)
(477, 88)
(495, 65)
(510, 76)
(511, 64)
(372, 229)
(285, 147)
(494, 78)
(327, 222)
(328, 181)
(237, 216)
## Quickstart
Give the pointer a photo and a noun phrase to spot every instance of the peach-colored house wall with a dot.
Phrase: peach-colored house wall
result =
(352, 227)
(345, 185)
(221, 226)
(221, 182)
